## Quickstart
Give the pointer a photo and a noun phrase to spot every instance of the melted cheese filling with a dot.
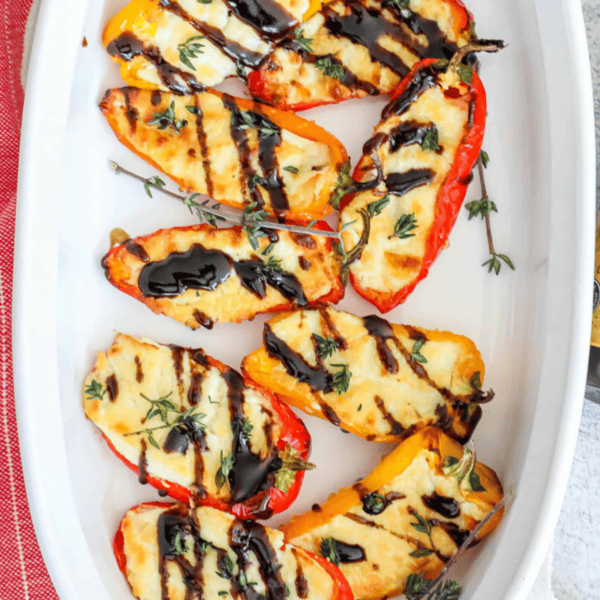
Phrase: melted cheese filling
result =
(388, 263)
(230, 301)
(408, 398)
(164, 30)
(389, 537)
(192, 163)
(145, 368)
(142, 553)
(295, 81)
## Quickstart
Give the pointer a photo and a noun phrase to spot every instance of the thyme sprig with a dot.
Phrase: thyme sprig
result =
(416, 355)
(404, 225)
(484, 207)
(167, 118)
(418, 588)
(423, 526)
(252, 219)
(190, 49)
(201, 212)
(354, 254)
(303, 41)
(222, 474)
(225, 216)
(153, 182)
(329, 550)
(162, 408)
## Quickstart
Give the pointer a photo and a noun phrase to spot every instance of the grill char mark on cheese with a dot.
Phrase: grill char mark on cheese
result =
(396, 428)
(127, 46)
(137, 250)
(198, 269)
(266, 17)
(112, 387)
(139, 373)
(250, 474)
(318, 378)
(329, 329)
(131, 112)
(143, 464)
(301, 583)
(203, 143)
(236, 52)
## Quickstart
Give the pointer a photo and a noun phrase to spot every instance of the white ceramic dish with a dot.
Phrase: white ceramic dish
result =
(532, 325)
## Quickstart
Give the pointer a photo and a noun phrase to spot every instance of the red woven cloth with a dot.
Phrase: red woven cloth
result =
(23, 575)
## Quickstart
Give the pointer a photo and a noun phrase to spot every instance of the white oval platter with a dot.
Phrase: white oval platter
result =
(532, 325)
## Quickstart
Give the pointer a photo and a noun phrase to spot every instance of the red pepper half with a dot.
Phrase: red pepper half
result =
(176, 529)
(408, 232)
(339, 53)
(292, 433)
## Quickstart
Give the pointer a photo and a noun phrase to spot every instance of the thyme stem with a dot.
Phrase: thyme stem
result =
(484, 194)
(238, 219)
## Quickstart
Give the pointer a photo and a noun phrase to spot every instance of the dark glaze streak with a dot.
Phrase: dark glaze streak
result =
(396, 428)
(179, 438)
(199, 357)
(198, 268)
(240, 140)
(143, 465)
(203, 143)
(155, 97)
(415, 334)
(139, 374)
(266, 17)
(318, 378)
(269, 164)
(177, 353)
(248, 536)
(180, 521)
(329, 329)
(422, 80)
(250, 473)
(304, 263)
(350, 553)
(195, 390)
(402, 183)
(366, 27)
(127, 46)
(229, 48)
(381, 331)
(131, 112)
(443, 505)
(407, 134)
(137, 250)
(301, 583)
(202, 319)
(330, 414)
(255, 276)
(112, 387)
(457, 535)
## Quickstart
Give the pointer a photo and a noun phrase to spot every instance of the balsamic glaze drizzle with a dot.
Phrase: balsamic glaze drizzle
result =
(267, 17)
(203, 269)
(443, 505)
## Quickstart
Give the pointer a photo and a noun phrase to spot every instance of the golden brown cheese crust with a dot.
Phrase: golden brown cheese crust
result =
(296, 78)
(152, 563)
(232, 149)
(391, 262)
(402, 378)
(135, 372)
(150, 40)
(392, 547)
(307, 258)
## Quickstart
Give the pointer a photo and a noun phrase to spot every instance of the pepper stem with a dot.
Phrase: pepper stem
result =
(479, 46)
(462, 469)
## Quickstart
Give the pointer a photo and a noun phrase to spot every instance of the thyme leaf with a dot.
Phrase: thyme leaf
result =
(291, 169)
(375, 208)
(251, 219)
(341, 378)
(418, 588)
(495, 264)
(190, 49)
(153, 182)
(167, 119)
(431, 141)
(329, 550)
(325, 346)
(480, 207)
(485, 158)
(303, 42)
(330, 68)
(374, 504)
(404, 225)
(416, 355)
(179, 544)
(95, 390)
(224, 470)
